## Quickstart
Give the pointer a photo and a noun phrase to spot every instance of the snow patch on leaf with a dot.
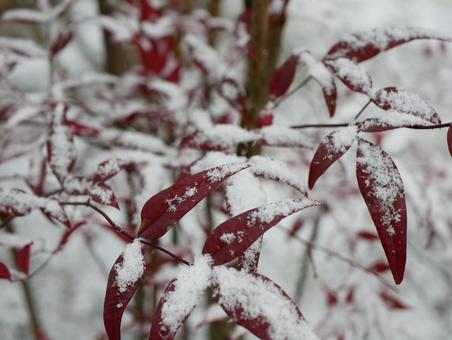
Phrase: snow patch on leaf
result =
(132, 267)
(189, 286)
(261, 300)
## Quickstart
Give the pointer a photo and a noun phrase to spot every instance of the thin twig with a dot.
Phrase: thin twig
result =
(291, 92)
(340, 125)
(363, 108)
(167, 252)
(340, 257)
(124, 234)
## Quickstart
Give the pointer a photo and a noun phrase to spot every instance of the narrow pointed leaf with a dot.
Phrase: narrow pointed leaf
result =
(449, 139)
(122, 283)
(23, 258)
(330, 96)
(282, 77)
(256, 303)
(364, 45)
(331, 148)
(167, 207)
(4, 272)
(233, 237)
(382, 189)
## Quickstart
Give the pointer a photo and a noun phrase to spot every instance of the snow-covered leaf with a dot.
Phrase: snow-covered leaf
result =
(330, 149)
(364, 45)
(167, 207)
(392, 120)
(234, 236)
(18, 203)
(179, 299)
(255, 302)
(122, 283)
(400, 100)
(61, 152)
(382, 189)
(103, 194)
(354, 76)
(275, 170)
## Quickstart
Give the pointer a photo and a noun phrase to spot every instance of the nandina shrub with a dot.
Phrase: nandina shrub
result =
(180, 149)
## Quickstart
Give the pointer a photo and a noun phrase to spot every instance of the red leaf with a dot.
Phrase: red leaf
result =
(391, 301)
(62, 40)
(364, 235)
(354, 76)
(283, 77)
(117, 295)
(251, 299)
(379, 267)
(331, 148)
(166, 208)
(81, 129)
(23, 258)
(382, 189)
(330, 96)
(4, 272)
(449, 139)
(400, 100)
(234, 236)
(361, 46)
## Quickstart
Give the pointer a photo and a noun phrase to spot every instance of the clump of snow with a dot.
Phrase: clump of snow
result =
(272, 210)
(276, 170)
(224, 136)
(318, 71)
(383, 183)
(191, 281)
(228, 237)
(132, 267)
(275, 135)
(218, 173)
(261, 299)
(353, 73)
(341, 139)
(244, 192)
(213, 159)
